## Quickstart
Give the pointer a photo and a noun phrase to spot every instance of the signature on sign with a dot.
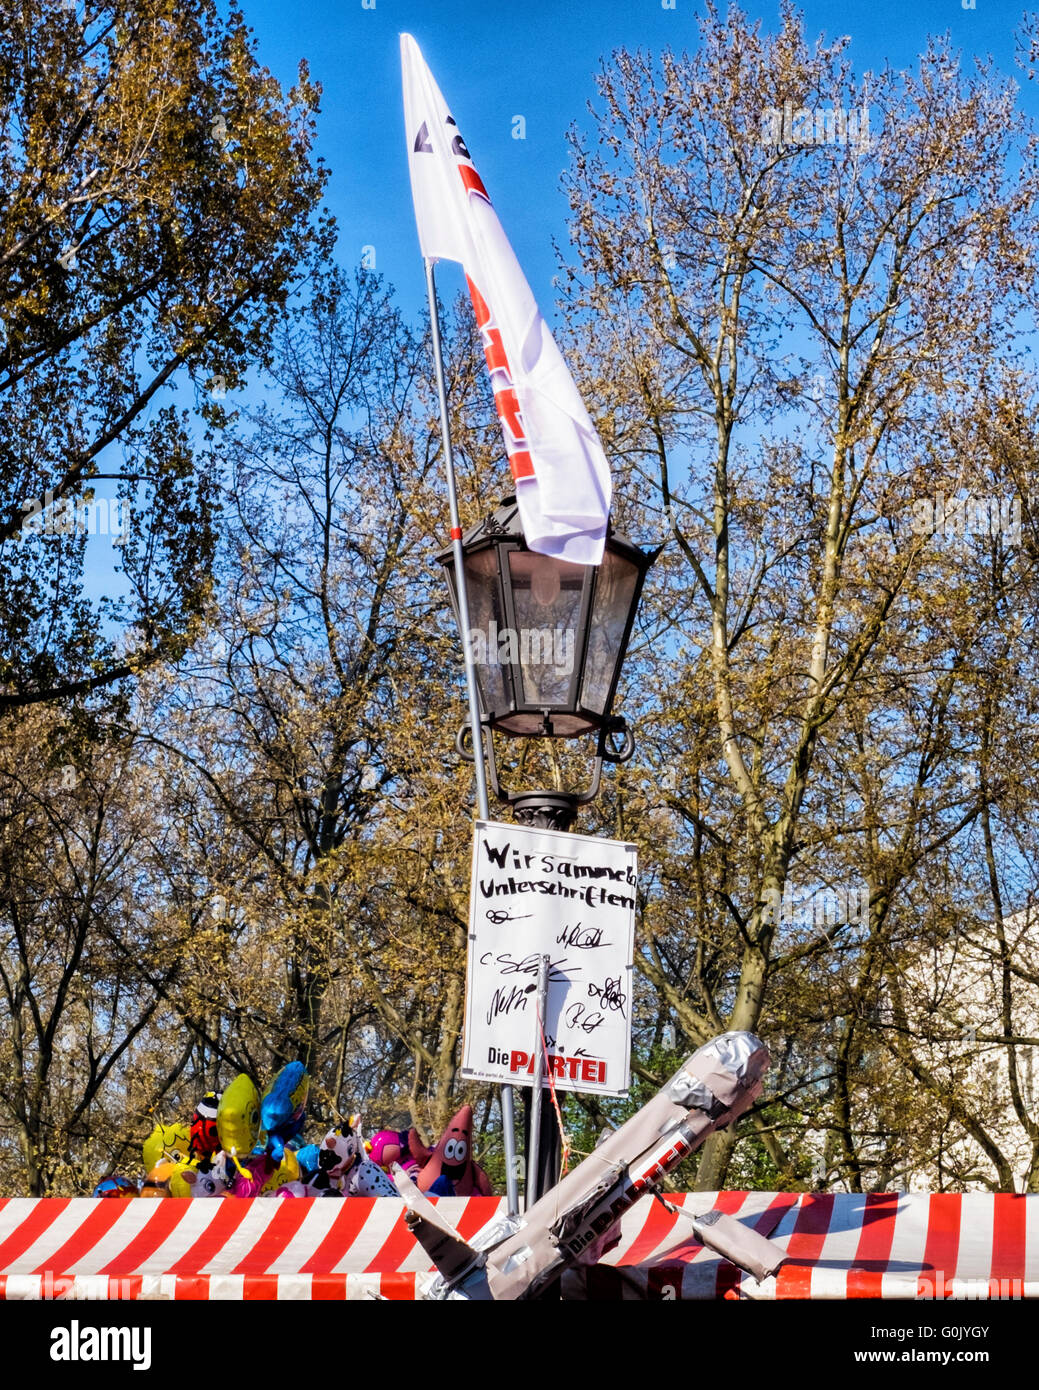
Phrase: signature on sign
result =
(507, 1001)
(609, 995)
(529, 965)
(582, 937)
(582, 1019)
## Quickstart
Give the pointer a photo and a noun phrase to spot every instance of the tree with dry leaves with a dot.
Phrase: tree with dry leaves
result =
(158, 204)
(789, 286)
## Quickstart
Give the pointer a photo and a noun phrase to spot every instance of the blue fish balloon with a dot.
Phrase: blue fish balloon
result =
(283, 1109)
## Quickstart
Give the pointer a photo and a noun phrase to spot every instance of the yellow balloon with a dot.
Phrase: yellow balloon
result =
(166, 1142)
(178, 1187)
(238, 1116)
(286, 1171)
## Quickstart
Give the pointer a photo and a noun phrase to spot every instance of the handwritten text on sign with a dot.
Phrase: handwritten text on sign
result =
(571, 897)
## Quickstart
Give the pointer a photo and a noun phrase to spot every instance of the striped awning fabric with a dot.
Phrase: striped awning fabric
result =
(839, 1246)
(887, 1245)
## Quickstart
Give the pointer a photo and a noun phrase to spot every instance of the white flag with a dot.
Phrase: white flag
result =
(558, 465)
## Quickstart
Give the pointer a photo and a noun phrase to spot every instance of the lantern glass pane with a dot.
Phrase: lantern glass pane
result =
(546, 596)
(614, 592)
(486, 622)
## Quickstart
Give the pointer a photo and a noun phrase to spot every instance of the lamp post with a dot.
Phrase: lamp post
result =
(548, 638)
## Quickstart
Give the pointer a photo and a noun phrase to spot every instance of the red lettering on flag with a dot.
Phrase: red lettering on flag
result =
(480, 309)
(506, 401)
(521, 464)
(509, 414)
(473, 182)
(494, 352)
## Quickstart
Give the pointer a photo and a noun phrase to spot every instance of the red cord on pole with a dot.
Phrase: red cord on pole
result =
(564, 1141)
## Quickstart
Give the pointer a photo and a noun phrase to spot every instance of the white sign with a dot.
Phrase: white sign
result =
(571, 897)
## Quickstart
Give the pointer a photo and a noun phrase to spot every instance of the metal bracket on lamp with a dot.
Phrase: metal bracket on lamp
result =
(551, 810)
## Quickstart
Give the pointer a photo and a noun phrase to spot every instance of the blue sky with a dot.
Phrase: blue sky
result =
(536, 59)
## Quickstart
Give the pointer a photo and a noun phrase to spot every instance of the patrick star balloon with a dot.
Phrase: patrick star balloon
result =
(451, 1171)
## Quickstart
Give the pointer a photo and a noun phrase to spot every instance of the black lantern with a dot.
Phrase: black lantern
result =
(548, 639)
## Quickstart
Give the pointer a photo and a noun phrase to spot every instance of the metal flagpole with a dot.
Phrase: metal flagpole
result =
(483, 806)
(533, 1189)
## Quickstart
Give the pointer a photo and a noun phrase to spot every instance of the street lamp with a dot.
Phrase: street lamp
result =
(548, 639)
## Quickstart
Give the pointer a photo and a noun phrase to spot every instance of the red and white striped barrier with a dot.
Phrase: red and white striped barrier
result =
(843, 1246)
(840, 1246)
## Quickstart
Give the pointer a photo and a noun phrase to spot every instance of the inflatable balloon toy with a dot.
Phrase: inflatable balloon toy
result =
(342, 1169)
(368, 1180)
(116, 1186)
(157, 1182)
(307, 1163)
(285, 1173)
(205, 1135)
(238, 1121)
(307, 1158)
(180, 1185)
(356, 1174)
(303, 1189)
(401, 1146)
(316, 1184)
(337, 1153)
(451, 1171)
(203, 1183)
(283, 1109)
(313, 1179)
(171, 1142)
(263, 1177)
(254, 1170)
